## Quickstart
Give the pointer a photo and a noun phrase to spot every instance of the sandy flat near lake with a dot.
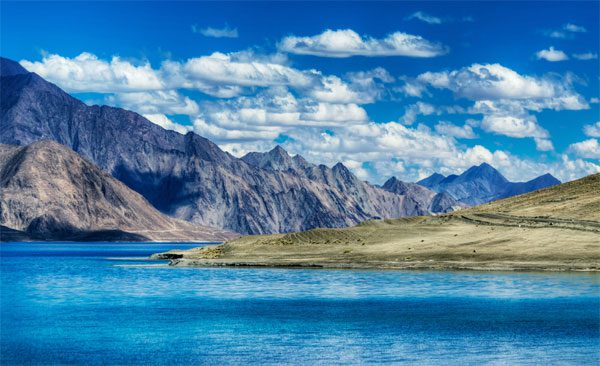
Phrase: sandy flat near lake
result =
(556, 229)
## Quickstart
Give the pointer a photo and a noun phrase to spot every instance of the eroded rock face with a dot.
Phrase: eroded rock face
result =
(50, 192)
(188, 176)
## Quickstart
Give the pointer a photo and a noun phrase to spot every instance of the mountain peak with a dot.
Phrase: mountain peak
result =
(340, 167)
(389, 182)
(483, 171)
(9, 67)
(432, 180)
(278, 151)
(544, 180)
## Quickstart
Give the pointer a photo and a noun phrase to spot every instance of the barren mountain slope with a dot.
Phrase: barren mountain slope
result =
(50, 192)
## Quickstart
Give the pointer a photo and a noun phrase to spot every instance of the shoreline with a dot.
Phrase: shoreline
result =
(428, 265)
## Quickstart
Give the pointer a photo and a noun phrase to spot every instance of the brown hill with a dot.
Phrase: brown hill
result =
(49, 192)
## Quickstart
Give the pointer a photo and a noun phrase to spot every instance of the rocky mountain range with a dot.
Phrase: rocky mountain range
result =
(482, 184)
(188, 176)
(49, 192)
(191, 178)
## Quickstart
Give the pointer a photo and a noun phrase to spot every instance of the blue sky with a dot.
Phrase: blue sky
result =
(400, 88)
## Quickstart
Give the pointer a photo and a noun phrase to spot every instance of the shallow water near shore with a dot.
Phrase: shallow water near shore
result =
(95, 303)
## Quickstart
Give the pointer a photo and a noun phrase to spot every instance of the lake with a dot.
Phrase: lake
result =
(95, 303)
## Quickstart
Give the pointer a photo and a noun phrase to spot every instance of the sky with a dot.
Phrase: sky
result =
(399, 89)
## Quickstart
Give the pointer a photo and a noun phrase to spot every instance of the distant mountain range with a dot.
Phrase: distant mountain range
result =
(482, 184)
(51, 193)
(190, 178)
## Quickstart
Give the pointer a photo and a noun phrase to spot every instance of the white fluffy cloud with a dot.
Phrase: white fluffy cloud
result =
(321, 117)
(415, 152)
(589, 149)
(219, 75)
(492, 81)
(164, 122)
(552, 55)
(347, 43)
(87, 72)
(223, 69)
(449, 129)
(358, 87)
(592, 130)
(224, 32)
(155, 102)
(504, 98)
(271, 112)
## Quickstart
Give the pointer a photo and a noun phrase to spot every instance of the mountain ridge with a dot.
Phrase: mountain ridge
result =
(482, 184)
(188, 176)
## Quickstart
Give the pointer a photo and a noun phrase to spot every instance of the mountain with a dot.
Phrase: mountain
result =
(483, 183)
(420, 200)
(543, 181)
(50, 192)
(432, 180)
(188, 176)
(417, 200)
(552, 229)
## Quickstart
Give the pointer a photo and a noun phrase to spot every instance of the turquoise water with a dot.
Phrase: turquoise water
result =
(85, 304)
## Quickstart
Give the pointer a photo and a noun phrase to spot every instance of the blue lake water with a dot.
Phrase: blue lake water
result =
(85, 304)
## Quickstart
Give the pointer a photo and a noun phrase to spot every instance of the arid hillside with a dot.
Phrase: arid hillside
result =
(557, 228)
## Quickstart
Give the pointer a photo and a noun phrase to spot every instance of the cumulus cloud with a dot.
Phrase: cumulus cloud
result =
(505, 98)
(347, 43)
(412, 111)
(218, 74)
(585, 56)
(424, 17)
(449, 129)
(419, 152)
(155, 102)
(358, 87)
(592, 130)
(513, 126)
(492, 81)
(224, 32)
(551, 55)
(270, 113)
(589, 149)
(164, 122)
(87, 72)
(320, 116)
